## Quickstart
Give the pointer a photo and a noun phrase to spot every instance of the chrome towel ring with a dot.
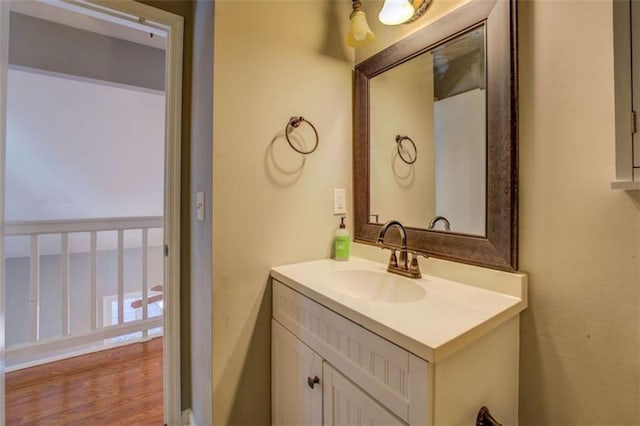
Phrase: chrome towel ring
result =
(400, 148)
(295, 122)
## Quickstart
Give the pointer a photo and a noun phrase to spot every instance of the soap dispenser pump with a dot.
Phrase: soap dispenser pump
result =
(342, 242)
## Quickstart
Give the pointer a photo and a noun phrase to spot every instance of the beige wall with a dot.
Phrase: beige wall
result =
(580, 241)
(273, 60)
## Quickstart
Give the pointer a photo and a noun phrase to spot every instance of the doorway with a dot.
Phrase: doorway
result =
(125, 232)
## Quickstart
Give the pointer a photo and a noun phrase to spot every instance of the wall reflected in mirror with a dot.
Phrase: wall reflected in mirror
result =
(428, 138)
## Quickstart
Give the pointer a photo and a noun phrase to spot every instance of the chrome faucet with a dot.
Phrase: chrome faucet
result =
(400, 266)
(436, 219)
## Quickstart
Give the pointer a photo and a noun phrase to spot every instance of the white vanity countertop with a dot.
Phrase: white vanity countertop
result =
(450, 316)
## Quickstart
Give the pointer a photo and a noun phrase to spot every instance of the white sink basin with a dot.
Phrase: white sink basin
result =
(375, 286)
(431, 317)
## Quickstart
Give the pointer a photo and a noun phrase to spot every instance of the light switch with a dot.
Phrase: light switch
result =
(339, 201)
(200, 206)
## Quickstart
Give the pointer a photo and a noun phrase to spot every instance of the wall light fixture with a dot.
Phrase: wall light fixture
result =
(396, 12)
(359, 34)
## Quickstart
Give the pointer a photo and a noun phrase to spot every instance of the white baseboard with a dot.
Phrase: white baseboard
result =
(79, 352)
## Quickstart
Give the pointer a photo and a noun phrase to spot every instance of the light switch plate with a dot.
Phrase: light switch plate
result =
(339, 201)
(200, 206)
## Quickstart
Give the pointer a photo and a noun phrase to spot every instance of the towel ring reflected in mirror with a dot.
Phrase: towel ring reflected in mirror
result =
(406, 157)
(294, 123)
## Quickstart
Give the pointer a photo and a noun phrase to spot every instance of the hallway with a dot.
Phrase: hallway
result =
(111, 387)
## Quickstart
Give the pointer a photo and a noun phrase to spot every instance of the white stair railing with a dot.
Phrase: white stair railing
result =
(42, 348)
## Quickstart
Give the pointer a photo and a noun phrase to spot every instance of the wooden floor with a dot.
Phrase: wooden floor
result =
(121, 386)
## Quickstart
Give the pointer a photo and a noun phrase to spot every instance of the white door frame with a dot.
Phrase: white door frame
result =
(134, 14)
(4, 69)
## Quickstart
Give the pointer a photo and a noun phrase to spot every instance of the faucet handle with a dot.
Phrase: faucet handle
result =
(393, 260)
(414, 266)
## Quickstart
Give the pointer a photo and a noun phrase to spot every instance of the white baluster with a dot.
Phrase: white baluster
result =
(120, 276)
(145, 276)
(64, 283)
(94, 280)
(34, 289)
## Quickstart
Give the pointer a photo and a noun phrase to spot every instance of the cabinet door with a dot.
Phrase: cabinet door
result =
(294, 401)
(345, 404)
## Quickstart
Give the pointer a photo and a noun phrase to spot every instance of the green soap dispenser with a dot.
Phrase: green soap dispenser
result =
(342, 242)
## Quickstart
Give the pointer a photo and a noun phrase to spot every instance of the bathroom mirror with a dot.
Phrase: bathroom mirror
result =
(436, 137)
(427, 138)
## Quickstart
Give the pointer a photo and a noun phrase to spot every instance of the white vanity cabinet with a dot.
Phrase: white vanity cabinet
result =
(303, 384)
(295, 401)
(364, 378)
(305, 332)
(347, 404)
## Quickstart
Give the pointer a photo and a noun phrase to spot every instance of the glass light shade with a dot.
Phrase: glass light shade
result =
(359, 34)
(395, 12)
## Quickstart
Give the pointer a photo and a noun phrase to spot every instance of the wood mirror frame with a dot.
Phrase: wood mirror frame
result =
(498, 248)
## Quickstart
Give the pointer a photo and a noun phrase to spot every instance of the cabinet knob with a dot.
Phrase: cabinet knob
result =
(312, 381)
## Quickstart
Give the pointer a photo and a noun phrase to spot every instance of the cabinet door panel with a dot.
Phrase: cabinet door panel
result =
(294, 402)
(377, 365)
(345, 404)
